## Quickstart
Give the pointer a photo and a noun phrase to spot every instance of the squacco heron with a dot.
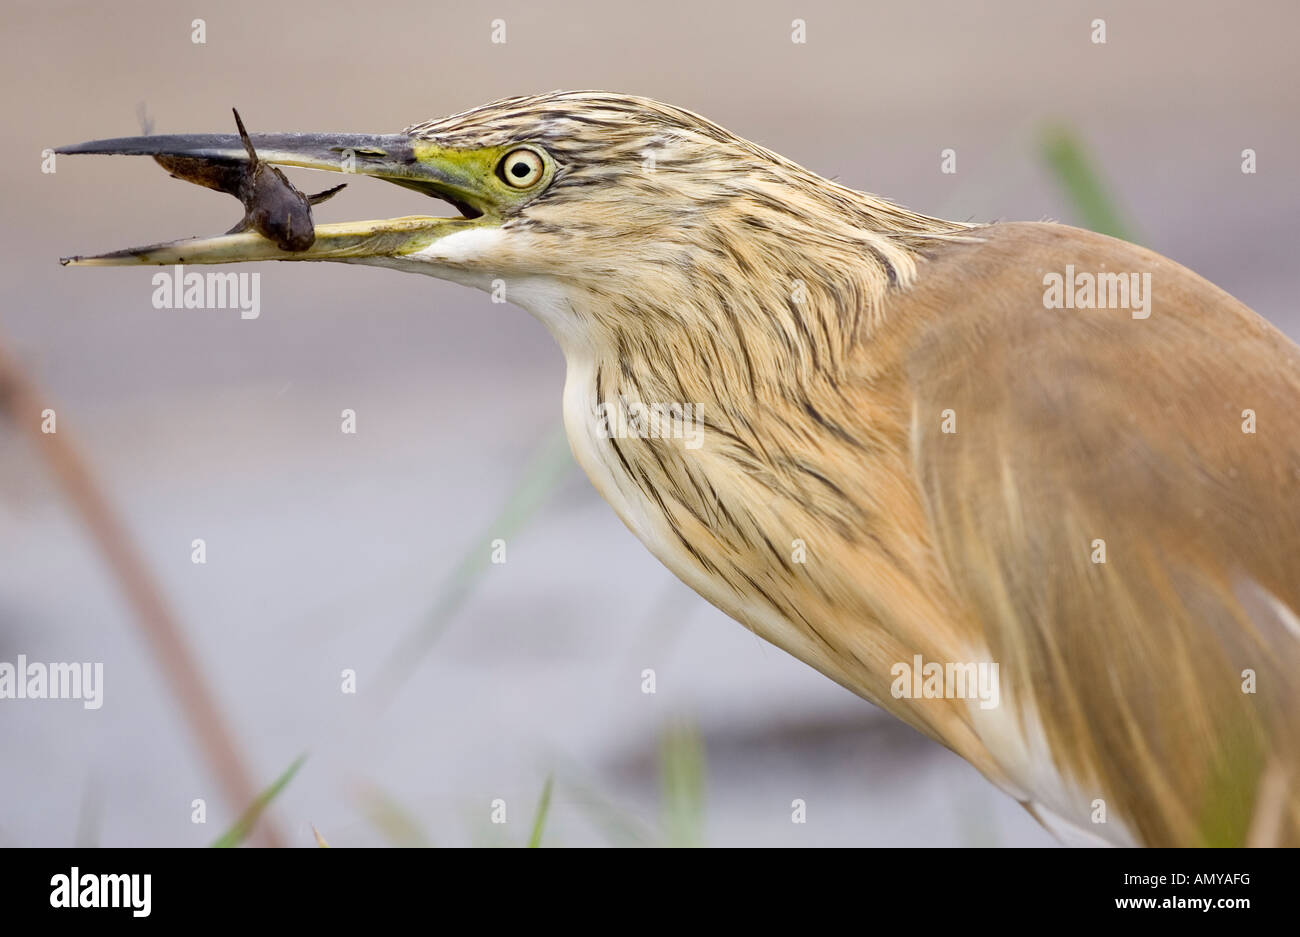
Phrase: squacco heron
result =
(919, 450)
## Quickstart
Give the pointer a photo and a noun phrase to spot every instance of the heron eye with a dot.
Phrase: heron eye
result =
(521, 168)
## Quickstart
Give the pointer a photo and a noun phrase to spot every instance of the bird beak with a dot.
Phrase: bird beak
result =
(457, 177)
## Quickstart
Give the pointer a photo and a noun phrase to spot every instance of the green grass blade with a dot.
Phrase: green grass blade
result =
(543, 808)
(1073, 169)
(248, 819)
(682, 771)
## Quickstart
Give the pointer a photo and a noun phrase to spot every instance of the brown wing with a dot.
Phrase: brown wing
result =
(1075, 426)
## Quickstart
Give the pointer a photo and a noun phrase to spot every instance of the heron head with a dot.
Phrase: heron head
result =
(573, 196)
(537, 181)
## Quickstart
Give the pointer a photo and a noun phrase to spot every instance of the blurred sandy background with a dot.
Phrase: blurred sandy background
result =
(325, 551)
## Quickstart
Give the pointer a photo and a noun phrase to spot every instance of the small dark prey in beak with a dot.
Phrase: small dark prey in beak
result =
(272, 206)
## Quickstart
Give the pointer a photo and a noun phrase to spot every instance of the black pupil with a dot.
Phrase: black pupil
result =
(520, 169)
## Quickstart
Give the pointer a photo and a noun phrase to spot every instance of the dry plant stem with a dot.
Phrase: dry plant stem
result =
(21, 402)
